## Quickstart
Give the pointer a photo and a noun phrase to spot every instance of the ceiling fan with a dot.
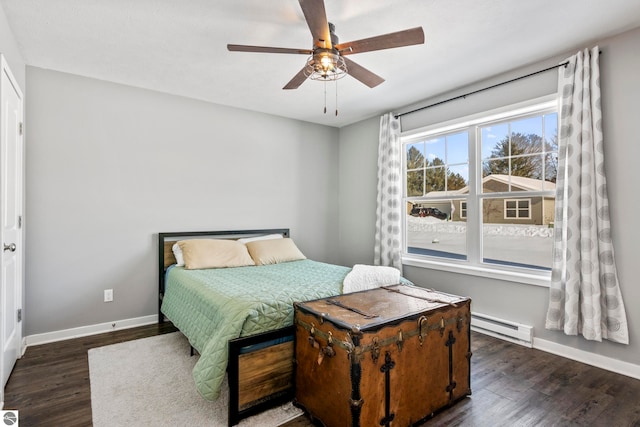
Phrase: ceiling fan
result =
(328, 57)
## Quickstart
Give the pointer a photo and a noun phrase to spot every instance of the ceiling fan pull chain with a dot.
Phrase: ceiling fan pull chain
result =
(325, 97)
(336, 98)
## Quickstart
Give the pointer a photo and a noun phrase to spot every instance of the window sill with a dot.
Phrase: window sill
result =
(529, 278)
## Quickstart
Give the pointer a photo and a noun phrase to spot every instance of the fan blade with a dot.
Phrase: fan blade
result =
(385, 41)
(316, 16)
(265, 49)
(296, 81)
(360, 73)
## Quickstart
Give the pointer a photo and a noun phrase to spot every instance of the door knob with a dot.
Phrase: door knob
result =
(11, 247)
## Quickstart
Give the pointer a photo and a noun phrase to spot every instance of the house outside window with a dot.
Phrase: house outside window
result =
(499, 171)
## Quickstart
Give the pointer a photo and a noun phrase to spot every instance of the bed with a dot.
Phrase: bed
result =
(239, 319)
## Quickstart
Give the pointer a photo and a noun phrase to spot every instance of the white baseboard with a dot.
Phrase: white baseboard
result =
(84, 331)
(597, 360)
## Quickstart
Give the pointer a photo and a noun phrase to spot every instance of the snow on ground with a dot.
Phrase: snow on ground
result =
(431, 224)
(516, 243)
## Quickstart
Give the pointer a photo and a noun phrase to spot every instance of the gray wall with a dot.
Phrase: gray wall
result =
(358, 181)
(620, 67)
(109, 166)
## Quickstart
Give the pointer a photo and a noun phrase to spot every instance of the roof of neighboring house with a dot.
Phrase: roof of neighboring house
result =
(521, 182)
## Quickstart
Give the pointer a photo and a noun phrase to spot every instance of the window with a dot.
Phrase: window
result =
(517, 208)
(463, 210)
(499, 171)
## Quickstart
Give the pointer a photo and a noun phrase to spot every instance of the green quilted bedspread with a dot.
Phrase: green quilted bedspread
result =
(215, 305)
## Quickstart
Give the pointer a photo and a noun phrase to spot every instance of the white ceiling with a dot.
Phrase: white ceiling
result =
(179, 46)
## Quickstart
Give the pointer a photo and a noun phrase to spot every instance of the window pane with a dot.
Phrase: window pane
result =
(458, 148)
(528, 167)
(493, 180)
(498, 166)
(551, 148)
(551, 131)
(434, 228)
(495, 139)
(415, 183)
(435, 179)
(415, 156)
(519, 236)
(526, 136)
(551, 170)
(435, 151)
(457, 177)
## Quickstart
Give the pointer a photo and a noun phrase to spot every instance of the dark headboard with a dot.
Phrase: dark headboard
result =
(166, 241)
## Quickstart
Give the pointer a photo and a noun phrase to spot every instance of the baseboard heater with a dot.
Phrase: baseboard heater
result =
(503, 329)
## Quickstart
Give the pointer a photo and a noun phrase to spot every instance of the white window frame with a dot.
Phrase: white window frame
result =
(517, 208)
(473, 265)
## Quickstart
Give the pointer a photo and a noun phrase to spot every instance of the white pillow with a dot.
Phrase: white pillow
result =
(246, 240)
(177, 253)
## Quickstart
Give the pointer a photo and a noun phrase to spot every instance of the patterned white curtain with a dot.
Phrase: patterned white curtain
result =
(388, 246)
(585, 294)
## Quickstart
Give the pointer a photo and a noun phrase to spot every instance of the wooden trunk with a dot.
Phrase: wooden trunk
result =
(391, 356)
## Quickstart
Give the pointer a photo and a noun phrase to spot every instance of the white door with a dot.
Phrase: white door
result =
(11, 190)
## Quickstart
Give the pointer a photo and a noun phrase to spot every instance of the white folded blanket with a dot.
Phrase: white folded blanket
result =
(363, 277)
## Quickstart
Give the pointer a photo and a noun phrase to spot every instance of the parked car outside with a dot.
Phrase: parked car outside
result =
(434, 212)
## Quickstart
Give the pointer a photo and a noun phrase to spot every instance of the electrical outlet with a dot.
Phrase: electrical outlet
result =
(108, 295)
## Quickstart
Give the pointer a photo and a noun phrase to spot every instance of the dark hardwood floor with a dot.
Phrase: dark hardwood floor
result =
(512, 386)
(49, 385)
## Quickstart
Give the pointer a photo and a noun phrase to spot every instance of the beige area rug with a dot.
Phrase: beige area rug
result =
(148, 382)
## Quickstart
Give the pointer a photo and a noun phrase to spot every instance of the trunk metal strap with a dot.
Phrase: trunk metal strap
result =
(422, 330)
(437, 300)
(355, 310)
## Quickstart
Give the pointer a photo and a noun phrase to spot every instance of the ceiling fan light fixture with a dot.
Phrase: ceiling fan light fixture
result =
(328, 60)
(325, 65)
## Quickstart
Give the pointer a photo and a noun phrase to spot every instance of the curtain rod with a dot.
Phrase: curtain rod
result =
(483, 89)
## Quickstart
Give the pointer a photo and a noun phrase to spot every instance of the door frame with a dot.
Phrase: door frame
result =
(6, 71)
